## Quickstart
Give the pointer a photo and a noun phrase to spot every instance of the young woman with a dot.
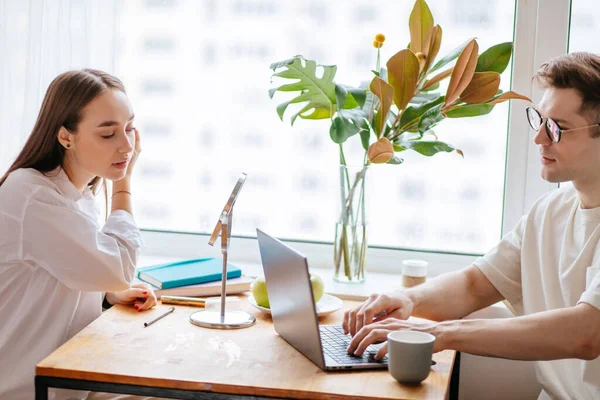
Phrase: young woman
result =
(58, 266)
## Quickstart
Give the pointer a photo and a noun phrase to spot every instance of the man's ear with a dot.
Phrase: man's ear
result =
(65, 138)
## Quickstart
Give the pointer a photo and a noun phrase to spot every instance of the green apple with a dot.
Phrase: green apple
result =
(259, 290)
(318, 286)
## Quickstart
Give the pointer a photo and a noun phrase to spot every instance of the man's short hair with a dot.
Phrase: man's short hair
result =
(579, 71)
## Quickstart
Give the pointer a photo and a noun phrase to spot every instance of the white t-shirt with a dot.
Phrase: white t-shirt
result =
(55, 262)
(551, 260)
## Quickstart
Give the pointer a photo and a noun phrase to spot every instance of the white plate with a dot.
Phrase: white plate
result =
(327, 305)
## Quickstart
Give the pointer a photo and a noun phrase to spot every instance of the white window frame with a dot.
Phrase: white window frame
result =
(541, 32)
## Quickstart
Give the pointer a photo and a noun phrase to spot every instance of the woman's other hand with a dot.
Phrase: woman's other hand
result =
(140, 295)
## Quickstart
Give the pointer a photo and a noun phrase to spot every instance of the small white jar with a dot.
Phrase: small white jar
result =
(414, 272)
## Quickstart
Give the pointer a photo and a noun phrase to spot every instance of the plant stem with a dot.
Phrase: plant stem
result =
(347, 230)
(350, 235)
(345, 252)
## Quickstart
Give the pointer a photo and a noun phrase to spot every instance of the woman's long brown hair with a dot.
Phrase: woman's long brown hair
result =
(67, 96)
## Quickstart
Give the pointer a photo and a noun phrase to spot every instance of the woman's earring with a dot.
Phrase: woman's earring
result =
(68, 146)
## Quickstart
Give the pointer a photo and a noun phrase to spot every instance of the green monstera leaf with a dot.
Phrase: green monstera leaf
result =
(427, 148)
(347, 124)
(319, 93)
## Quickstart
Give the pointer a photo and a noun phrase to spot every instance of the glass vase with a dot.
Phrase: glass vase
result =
(350, 246)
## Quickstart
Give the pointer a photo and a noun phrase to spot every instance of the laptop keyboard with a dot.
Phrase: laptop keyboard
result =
(335, 344)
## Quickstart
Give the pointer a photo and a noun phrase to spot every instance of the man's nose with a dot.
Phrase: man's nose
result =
(541, 136)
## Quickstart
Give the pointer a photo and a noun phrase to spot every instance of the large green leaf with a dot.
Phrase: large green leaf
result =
(318, 113)
(351, 98)
(413, 114)
(495, 59)
(470, 110)
(358, 96)
(427, 148)
(348, 124)
(281, 108)
(365, 136)
(319, 93)
(450, 56)
(341, 94)
(430, 118)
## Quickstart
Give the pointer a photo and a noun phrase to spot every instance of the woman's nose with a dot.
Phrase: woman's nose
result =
(127, 144)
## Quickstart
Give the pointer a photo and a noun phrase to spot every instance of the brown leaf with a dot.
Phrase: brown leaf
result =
(437, 78)
(385, 92)
(460, 152)
(381, 151)
(462, 72)
(483, 86)
(420, 23)
(510, 95)
(434, 40)
(403, 75)
(422, 60)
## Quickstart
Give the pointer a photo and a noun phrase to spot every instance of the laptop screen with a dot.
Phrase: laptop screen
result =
(290, 296)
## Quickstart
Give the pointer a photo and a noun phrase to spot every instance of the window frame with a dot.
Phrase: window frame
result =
(541, 31)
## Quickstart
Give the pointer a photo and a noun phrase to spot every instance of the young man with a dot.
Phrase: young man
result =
(547, 268)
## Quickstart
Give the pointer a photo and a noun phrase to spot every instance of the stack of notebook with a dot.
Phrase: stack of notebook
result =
(198, 277)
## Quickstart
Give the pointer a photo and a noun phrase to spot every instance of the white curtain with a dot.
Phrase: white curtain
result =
(39, 39)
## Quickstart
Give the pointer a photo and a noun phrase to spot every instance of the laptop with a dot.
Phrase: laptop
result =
(294, 313)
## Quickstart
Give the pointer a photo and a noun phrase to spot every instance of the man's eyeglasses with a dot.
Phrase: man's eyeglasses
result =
(553, 130)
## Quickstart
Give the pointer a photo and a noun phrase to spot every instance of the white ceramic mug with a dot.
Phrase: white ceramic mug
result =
(409, 354)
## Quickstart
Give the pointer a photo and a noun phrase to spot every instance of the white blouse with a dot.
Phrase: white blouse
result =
(55, 263)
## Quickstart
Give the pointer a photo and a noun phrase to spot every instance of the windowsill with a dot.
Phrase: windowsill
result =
(375, 282)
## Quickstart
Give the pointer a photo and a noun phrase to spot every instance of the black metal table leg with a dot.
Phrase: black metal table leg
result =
(41, 388)
(454, 378)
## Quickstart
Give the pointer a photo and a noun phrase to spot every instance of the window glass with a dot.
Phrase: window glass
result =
(585, 26)
(198, 75)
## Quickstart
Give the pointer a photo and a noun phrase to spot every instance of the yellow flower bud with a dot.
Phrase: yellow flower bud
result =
(377, 44)
(380, 37)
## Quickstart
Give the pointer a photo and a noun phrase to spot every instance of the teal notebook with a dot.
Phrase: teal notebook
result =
(189, 272)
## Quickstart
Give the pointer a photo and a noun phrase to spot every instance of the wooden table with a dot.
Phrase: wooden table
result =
(173, 358)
